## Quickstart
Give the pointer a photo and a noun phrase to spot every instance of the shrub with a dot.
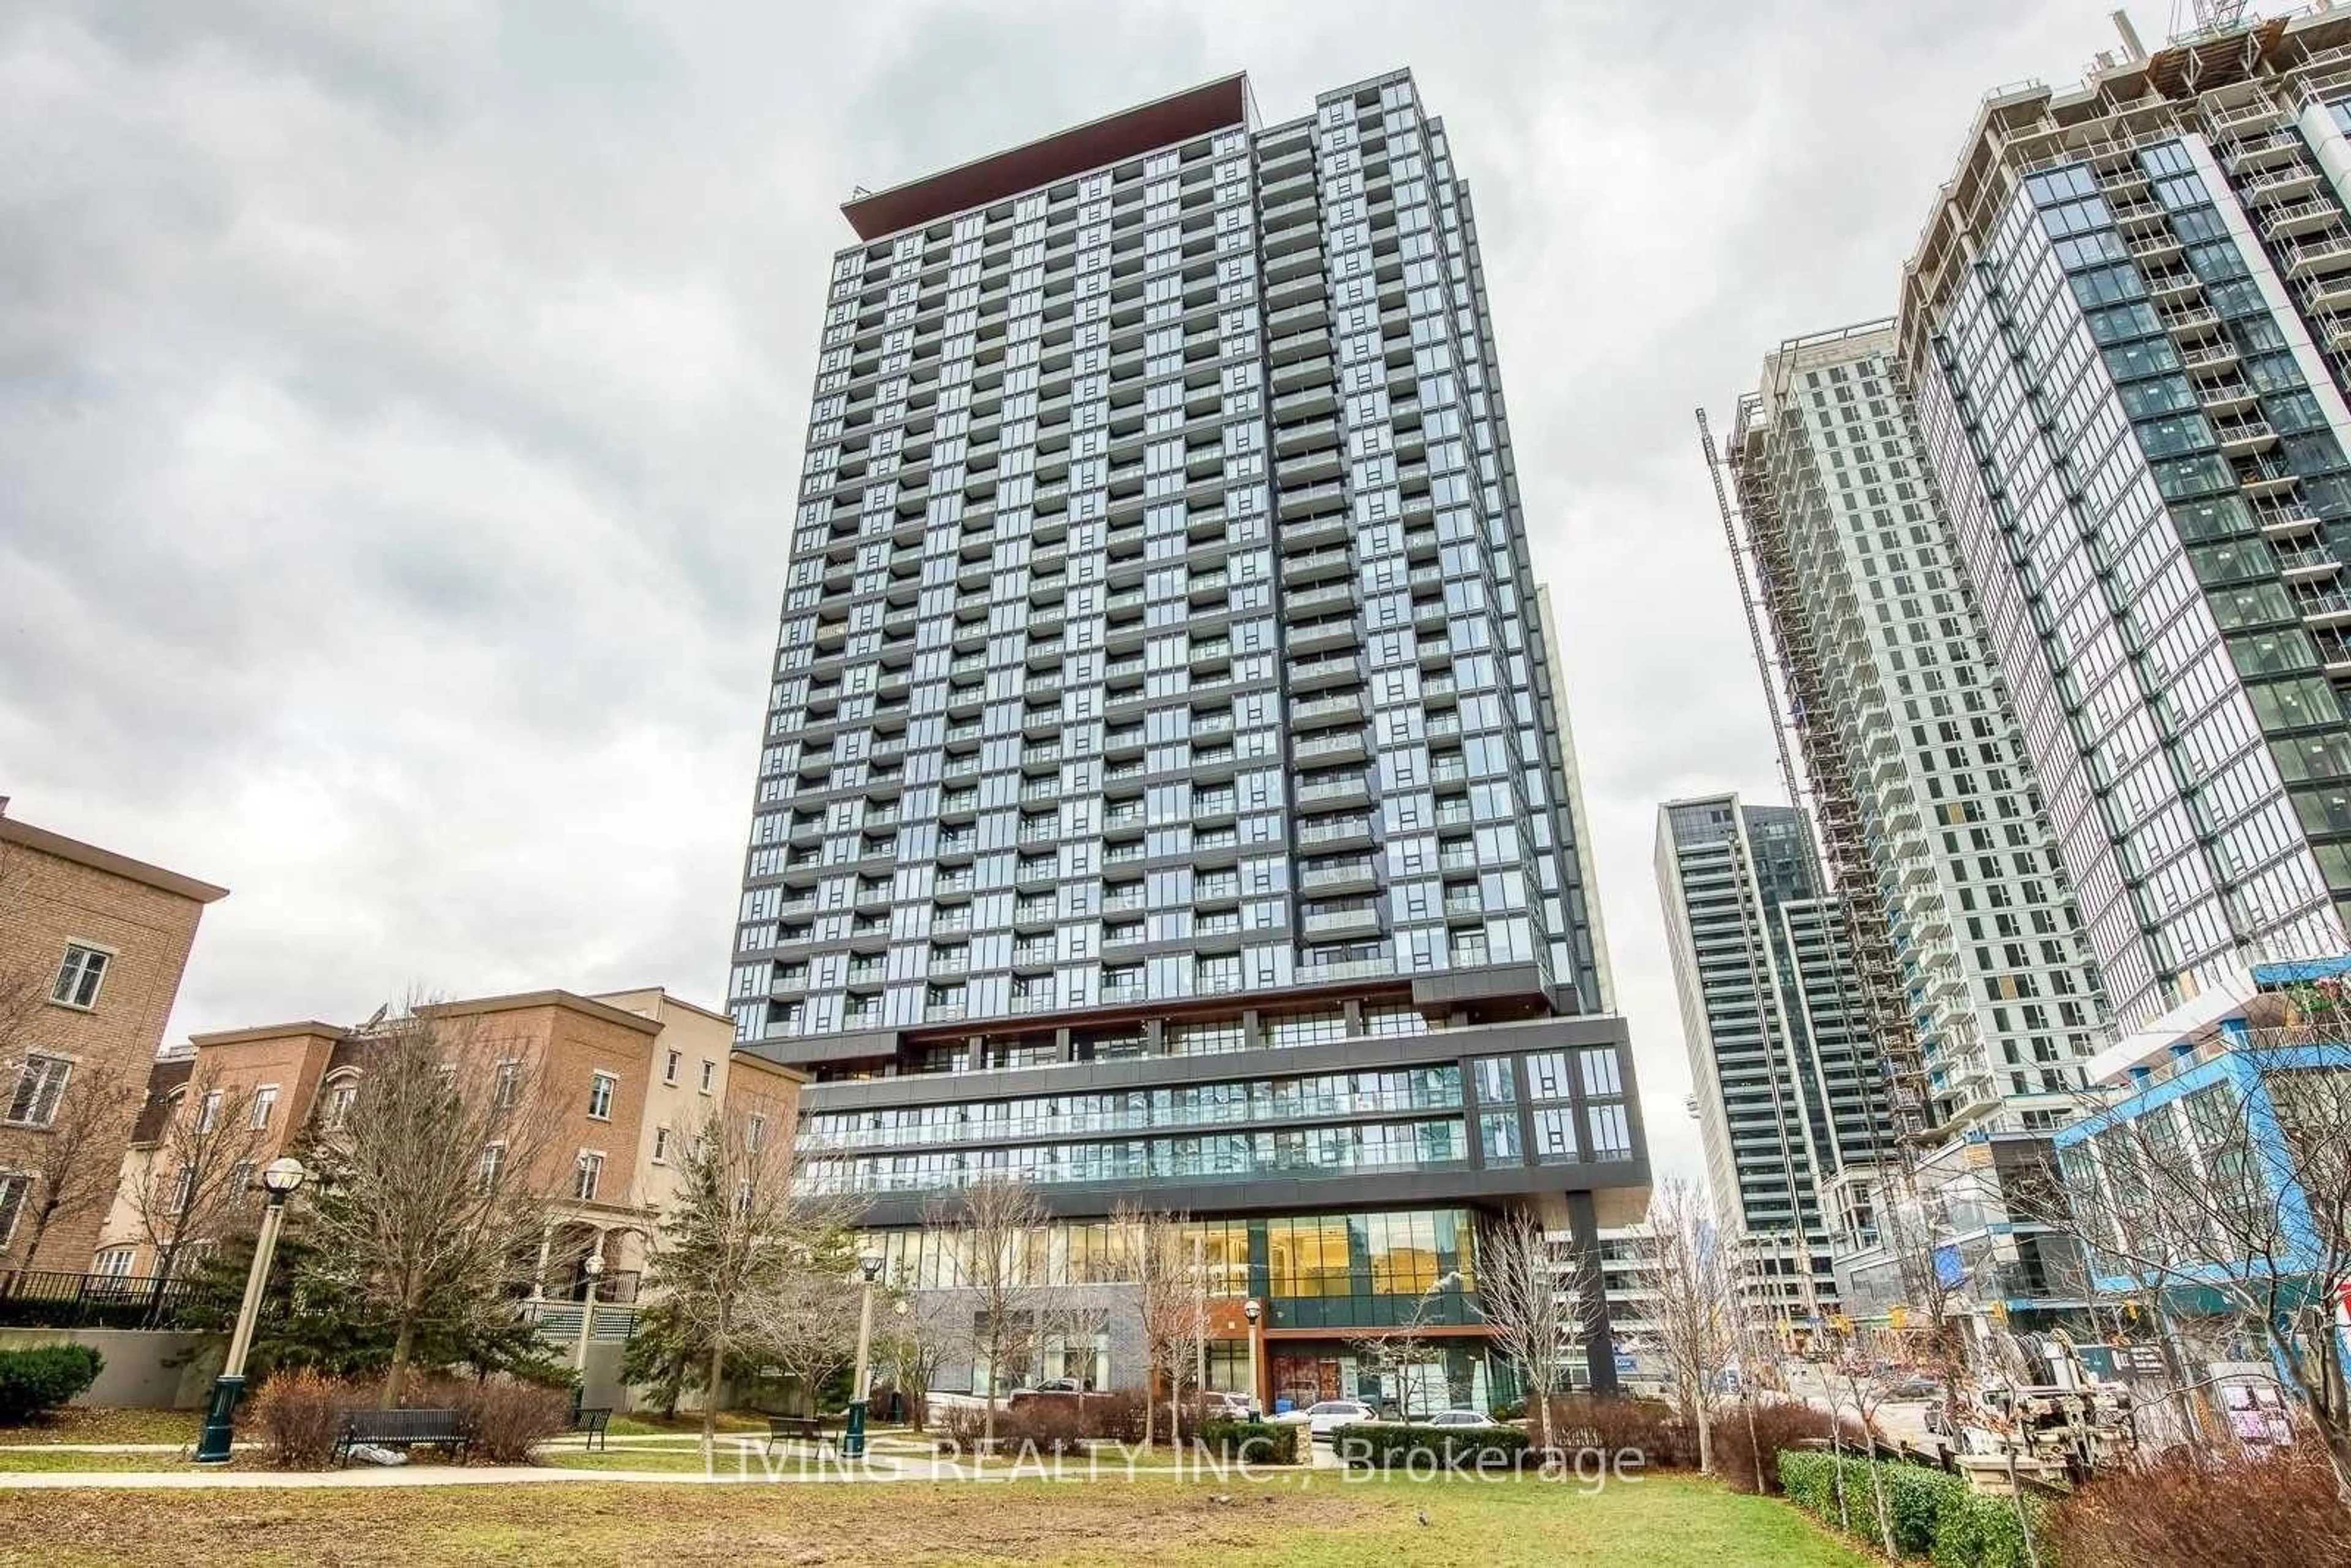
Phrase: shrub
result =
(36, 1380)
(300, 1415)
(1385, 1445)
(507, 1418)
(2241, 1512)
(1054, 1424)
(1778, 1423)
(1931, 1514)
(1613, 1422)
(1254, 1442)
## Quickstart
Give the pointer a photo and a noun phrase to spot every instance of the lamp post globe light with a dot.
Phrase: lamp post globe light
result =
(852, 1438)
(279, 1179)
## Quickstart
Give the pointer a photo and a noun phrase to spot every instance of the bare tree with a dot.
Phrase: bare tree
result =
(1404, 1346)
(1155, 1257)
(918, 1340)
(1076, 1325)
(992, 1229)
(805, 1322)
(200, 1172)
(1519, 1287)
(75, 1160)
(1691, 1267)
(748, 1266)
(2242, 1199)
(431, 1194)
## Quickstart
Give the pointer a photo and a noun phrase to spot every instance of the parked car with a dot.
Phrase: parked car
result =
(1051, 1388)
(1915, 1388)
(1226, 1405)
(1325, 1416)
(1460, 1418)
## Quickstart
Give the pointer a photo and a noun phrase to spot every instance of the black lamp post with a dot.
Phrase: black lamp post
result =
(852, 1439)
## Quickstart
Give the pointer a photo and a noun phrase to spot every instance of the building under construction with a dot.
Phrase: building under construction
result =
(1896, 733)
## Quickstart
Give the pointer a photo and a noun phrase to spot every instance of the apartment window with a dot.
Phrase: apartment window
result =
(13, 1190)
(240, 1177)
(183, 1190)
(599, 1096)
(491, 1166)
(670, 1065)
(114, 1263)
(508, 1090)
(661, 1146)
(40, 1083)
(709, 1074)
(264, 1102)
(208, 1112)
(588, 1175)
(342, 1094)
(755, 1133)
(80, 976)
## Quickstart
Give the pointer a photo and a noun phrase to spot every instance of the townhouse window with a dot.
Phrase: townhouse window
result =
(40, 1084)
(661, 1146)
(709, 1075)
(670, 1065)
(587, 1176)
(80, 976)
(240, 1178)
(755, 1134)
(264, 1102)
(491, 1166)
(599, 1096)
(183, 1190)
(508, 1091)
(114, 1263)
(13, 1190)
(208, 1112)
(341, 1096)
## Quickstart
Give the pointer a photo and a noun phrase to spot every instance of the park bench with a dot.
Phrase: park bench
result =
(811, 1428)
(590, 1424)
(402, 1429)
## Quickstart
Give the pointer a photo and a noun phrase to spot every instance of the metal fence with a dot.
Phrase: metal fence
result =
(51, 1298)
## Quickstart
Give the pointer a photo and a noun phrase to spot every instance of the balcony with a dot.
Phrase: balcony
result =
(1341, 875)
(1361, 920)
(2284, 519)
(1333, 830)
(2326, 608)
(2277, 186)
(1313, 974)
(2324, 252)
(2243, 437)
(1347, 705)
(1033, 1002)
(2307, 565)
(2299, 218)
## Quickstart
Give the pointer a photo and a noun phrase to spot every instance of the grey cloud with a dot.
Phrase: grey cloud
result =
(400, 410)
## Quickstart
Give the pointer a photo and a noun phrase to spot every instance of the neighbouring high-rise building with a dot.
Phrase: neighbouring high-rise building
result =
(1905, 740)
(2127, 327)
(1792, 1107)
(1165, 797)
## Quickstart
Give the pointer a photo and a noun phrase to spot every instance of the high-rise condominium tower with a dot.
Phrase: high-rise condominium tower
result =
(1895, 723)
(1792, 1110)
(1907, 741)
(2127, 324)
(1163, 798)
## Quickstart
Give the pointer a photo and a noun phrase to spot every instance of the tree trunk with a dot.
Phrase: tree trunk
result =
(1544, 1421)
(717, 1369)
(988, 1420)
(403, 1345)
(1705, 1438)
(1150, 1405)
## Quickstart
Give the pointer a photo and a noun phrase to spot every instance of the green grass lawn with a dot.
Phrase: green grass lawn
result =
(1321, 1520)
(646, 1424)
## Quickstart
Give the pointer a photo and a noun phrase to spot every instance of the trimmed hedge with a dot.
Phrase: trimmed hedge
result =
(1254, 1442)
(1384, 1446)
(36, 1380)
(1933, 1515)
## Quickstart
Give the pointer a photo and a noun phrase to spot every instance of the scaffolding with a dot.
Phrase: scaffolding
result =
(1795, 671)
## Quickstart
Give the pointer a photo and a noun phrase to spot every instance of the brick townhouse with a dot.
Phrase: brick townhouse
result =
(92, 947)
(632, 1074)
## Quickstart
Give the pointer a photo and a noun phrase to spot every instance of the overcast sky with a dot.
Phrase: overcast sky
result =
(400, 413)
